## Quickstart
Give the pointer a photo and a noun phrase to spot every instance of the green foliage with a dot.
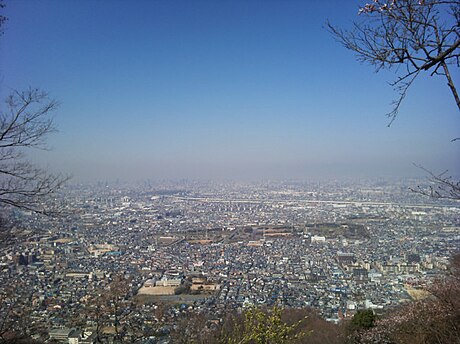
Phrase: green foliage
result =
(259, 327)
(364, 319)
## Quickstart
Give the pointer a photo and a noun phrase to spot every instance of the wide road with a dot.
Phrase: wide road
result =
(356, 203)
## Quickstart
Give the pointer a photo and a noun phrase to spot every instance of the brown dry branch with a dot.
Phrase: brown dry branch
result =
(411, 36)
(443, 186)
(25, 123)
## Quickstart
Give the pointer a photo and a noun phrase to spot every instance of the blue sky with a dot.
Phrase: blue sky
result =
(206, 89)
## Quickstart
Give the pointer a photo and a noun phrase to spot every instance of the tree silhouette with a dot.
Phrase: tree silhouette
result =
(25, 123)
(413, 36)
(443, 186)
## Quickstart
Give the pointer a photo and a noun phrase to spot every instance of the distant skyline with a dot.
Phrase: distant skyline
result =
(218, 89)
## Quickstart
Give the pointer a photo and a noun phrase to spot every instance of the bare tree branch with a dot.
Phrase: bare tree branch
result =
(443, 186)
(25, 123)
(420, 35)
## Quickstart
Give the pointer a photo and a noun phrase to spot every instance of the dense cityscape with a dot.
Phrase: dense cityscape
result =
(164, 251)
(224, 172)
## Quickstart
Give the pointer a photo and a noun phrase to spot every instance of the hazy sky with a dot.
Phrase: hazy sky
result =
(218, 88)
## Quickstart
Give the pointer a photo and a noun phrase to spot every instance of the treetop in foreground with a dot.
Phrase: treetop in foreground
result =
(25, 123)
(414, 36)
